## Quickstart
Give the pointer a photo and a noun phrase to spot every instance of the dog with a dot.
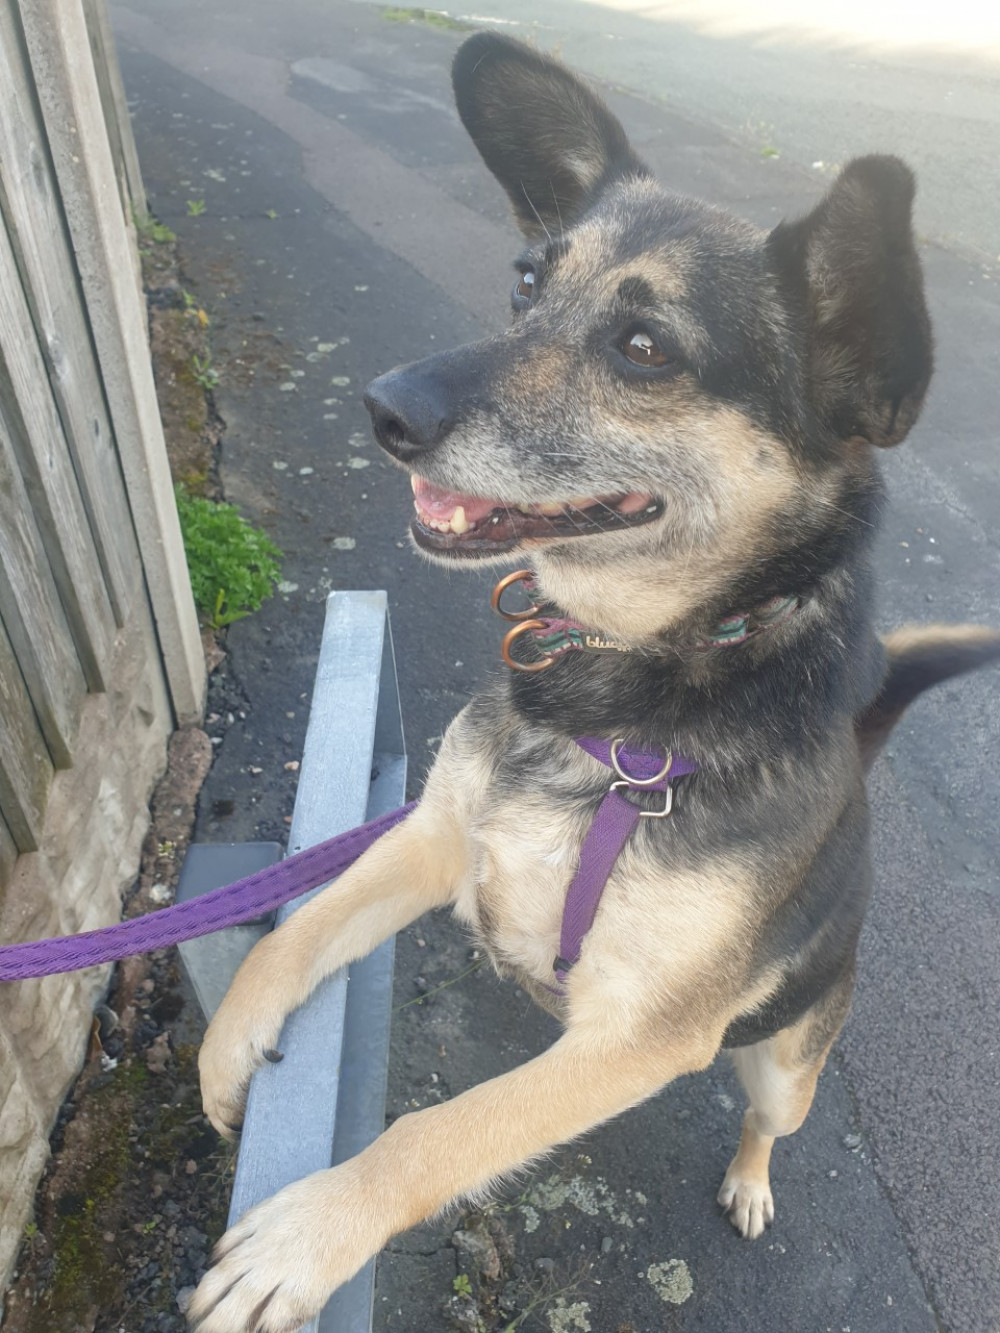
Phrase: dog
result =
(678, 434)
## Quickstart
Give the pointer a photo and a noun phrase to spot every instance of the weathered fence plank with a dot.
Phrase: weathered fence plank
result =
(116, 112)
(33, 613)
(25, 767)
(8, 852)
(29, 205)
(36, 434)
(58, 45)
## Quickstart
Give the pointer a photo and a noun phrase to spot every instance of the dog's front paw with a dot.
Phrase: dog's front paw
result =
(748, 1203)
(236, 1043)
(276, 1268)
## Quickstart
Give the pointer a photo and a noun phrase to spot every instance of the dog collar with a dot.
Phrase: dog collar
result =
(556, 635)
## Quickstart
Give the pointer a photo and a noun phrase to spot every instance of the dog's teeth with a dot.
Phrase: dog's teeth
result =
(581, 501)
(530, 510)
(652, 509)
(549, 510)
(414, 482)
(459, 523)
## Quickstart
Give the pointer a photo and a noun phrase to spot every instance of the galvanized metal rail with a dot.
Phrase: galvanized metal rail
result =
(325, 1100)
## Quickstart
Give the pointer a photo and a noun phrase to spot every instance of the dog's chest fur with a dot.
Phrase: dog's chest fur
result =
(693, 900)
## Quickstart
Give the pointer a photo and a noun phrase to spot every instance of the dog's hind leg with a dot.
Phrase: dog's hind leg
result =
(418, 865)
(780, 1076)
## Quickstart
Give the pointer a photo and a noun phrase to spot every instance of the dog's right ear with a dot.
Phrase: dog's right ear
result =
(551, 143)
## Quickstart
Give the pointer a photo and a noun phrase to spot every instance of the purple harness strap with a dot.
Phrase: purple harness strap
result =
(267, 889)
(611, 828)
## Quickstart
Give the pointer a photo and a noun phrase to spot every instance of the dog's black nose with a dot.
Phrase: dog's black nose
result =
(408, 413)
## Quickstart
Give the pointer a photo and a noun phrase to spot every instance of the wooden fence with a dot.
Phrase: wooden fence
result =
(88, 531)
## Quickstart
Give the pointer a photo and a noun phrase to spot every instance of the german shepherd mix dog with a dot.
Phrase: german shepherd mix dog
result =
(678, 434)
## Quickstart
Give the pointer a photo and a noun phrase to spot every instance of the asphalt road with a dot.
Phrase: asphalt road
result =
(349, 226)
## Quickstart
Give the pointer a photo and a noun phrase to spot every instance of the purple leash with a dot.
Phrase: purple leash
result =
(228, 906)
(256, 894)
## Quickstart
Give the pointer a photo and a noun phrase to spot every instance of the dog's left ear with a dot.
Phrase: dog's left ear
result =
(851, 269)
(551, 143)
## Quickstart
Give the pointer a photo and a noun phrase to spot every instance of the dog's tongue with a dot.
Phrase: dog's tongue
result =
(441, 504)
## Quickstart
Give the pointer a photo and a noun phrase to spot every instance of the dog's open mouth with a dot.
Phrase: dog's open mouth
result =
(470, 524)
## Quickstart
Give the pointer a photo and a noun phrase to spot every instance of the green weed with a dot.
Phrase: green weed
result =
(195, 207)
(204, 372)
(233, 565)
(437, 18)
(151, 230)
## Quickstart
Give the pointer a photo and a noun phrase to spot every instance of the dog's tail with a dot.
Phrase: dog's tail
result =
(920, 656)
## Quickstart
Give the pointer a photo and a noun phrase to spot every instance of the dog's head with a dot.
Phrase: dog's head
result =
(678, 391)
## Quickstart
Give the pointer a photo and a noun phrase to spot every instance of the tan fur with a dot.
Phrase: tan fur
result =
(755, 482)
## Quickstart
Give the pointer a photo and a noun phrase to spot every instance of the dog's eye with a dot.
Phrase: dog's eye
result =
(640, 348)
(525, 288)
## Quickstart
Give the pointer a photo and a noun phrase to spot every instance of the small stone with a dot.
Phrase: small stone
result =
(545, 1265)
(160, 893)
(476, 1244)
(190, 1167)
(607, 1245)
(344, 543)
(292, 766)
(184, 1298)
(852, 1142)
(255, 770)
(306, 471)
(158, 1054)
(832, 1175)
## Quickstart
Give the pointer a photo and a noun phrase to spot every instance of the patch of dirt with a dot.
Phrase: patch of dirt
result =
(180, 342)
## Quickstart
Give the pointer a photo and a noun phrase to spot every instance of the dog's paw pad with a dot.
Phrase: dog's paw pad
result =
(748, 1205)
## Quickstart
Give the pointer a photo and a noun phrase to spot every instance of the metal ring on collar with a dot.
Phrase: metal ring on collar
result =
(519, 576)
(616, 746)
(508, 641)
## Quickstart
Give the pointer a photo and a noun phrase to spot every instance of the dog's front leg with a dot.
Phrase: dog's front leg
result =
(414, 867)
(276, 1268)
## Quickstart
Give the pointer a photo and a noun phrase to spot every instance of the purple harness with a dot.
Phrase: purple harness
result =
(250, 897)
